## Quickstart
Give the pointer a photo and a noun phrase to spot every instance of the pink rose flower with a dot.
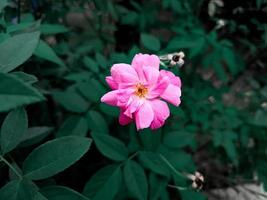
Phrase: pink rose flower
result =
(138, 90)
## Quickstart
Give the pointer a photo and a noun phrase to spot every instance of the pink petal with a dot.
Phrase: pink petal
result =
(175, 80)
(134, 104)
(144, 60)
(124, 120)
(158, 89)
(124, 73)
(144, 116)
(151, 75)
(112, 84)
(123, 96)
(110, 98)
(161, 113)
(172, 94)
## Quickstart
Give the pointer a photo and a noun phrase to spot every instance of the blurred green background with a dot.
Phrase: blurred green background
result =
(62, 50)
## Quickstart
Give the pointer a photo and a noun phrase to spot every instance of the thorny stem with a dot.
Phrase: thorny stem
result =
(10, 166)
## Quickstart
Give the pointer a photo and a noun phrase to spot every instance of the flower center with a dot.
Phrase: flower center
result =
(141, 90)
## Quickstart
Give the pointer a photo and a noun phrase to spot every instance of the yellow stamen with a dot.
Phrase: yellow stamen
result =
(141, 90)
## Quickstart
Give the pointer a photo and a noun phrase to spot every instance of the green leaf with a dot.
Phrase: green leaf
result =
(92, 90)
(74, 125)
(53, 29)
(3, 4)
(102, 61)
(15, 93)
(104, 184)
(227, 140)
(22, 27)
(192, 195)
(13, 129)
(109, 110)
(157, 185)
(18, 190)
(39, 196)
(260, 118)
(16, 50)
(55, 156)
(44, 51)
(153, 162)
(61, 193)
(110, 146)
(35, 135)
(71, 101)
(150, 42)
(27, 78)
(90, 64)
(96, 122)
(135, 179)
(178, 139)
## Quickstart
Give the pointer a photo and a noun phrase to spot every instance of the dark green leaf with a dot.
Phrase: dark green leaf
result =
(110, 146)
(15, 93)
(153, 162)
(102, 61)
(13, 129)
(35, 135)
(74, 125)
(52, 29)
(44, 51)
(92, 90)
(18, 190)
(71, 101)
(104, 184)
(54, 156)
(260, 118)
(150, 42)
(157, 185)
(62, 193)
(3, 4)
(135, 180)
(96, 122)
(178, 139)
(91, 64)
(192, 195)
(16, 50)
(27, 78)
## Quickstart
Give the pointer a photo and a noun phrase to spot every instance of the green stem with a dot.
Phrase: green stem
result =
(10, 166)
(171, 167)
(132, 156)
(178, 187)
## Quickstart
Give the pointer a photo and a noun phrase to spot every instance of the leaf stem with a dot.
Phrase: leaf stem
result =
(10, 166)
(171, 167)
(132, 156)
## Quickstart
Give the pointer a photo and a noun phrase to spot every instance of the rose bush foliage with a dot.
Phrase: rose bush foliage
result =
(59, 141)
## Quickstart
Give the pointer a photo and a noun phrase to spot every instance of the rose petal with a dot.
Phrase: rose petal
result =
(172, 94)
(123, 119)
(158, 89)
(161, 113)
(175, 80)
(123, 73)
(110, 98)
(151, 75)
(144, 116)
(144, 60)
(112, 84)
(133, 105)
